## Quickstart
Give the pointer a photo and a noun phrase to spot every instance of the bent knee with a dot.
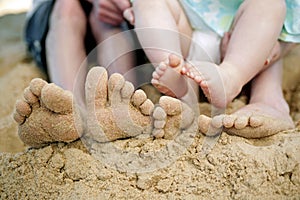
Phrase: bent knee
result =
(68, 11)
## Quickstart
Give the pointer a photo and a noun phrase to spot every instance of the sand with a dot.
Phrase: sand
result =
(142, 168)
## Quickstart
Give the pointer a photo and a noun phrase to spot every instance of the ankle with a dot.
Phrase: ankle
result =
(232, 79)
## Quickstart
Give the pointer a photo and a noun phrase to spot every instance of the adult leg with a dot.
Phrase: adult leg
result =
(256, 29)
(115, 47)
(65, 43)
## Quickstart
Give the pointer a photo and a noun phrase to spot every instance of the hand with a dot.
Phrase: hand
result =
(111, 11)
(129, 15)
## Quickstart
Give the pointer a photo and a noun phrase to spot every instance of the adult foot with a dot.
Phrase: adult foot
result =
(47, 115)
(167, 78)
(171, 117)
(114, 110)
(219, 86)
(255, 120)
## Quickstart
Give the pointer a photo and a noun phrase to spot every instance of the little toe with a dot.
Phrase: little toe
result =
(36, 86)
(56, 99)
(174, 61)
(96, 87)
(228, 121)
(241, 122)
(23, 108)
(204, 123)
(155, 75)
(159, 116)
(18, 118)
(217, 121)
(29, 96)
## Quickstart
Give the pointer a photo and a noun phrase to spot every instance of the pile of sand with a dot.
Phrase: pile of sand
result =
(236, 168)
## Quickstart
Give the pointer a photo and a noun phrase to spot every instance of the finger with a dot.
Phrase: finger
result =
(110, 17)
(108, 6)
(129, 15)
(122, 5)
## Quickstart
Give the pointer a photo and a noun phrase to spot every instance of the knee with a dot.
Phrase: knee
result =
(69, 11)
(143, 5)
(277, 7)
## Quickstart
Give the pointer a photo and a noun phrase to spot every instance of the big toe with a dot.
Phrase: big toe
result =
(96, 87)
(56, 99)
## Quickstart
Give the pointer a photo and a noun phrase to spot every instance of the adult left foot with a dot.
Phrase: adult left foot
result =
(256, 120)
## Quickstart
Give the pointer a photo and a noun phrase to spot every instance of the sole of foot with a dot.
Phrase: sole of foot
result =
(166, 77)
(47, 114)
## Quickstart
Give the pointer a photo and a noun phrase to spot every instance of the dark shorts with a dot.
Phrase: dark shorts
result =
(37, 27)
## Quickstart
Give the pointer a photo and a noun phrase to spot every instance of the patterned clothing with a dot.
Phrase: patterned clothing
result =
(218, 15)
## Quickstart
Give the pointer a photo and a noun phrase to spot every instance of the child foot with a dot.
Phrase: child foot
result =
(167, 78)
(47, 115)
(219, 86)
(255, 120)
(171, 117)
(114, 110)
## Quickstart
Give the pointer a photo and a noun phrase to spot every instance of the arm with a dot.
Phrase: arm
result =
(110, 11)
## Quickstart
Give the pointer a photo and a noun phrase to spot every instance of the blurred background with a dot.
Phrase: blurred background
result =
(14, 6)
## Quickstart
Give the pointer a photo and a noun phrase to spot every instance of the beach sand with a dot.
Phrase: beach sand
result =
(235, 168)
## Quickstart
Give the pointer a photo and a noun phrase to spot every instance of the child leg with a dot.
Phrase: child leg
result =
(162, 28)
(255, 31)
(263, 116)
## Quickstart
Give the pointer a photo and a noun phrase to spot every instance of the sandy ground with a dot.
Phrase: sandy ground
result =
(236, 168)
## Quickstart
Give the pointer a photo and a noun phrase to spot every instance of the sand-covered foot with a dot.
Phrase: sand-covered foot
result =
(114, 109)
(219, 86)
(47, 115)
(252, 121)
(171, 117)
(167, 78)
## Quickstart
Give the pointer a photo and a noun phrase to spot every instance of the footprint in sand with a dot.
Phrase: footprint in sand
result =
(252, 121)
(116, 111)
(47, 115)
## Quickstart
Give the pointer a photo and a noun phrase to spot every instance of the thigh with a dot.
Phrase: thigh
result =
(183, 24)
